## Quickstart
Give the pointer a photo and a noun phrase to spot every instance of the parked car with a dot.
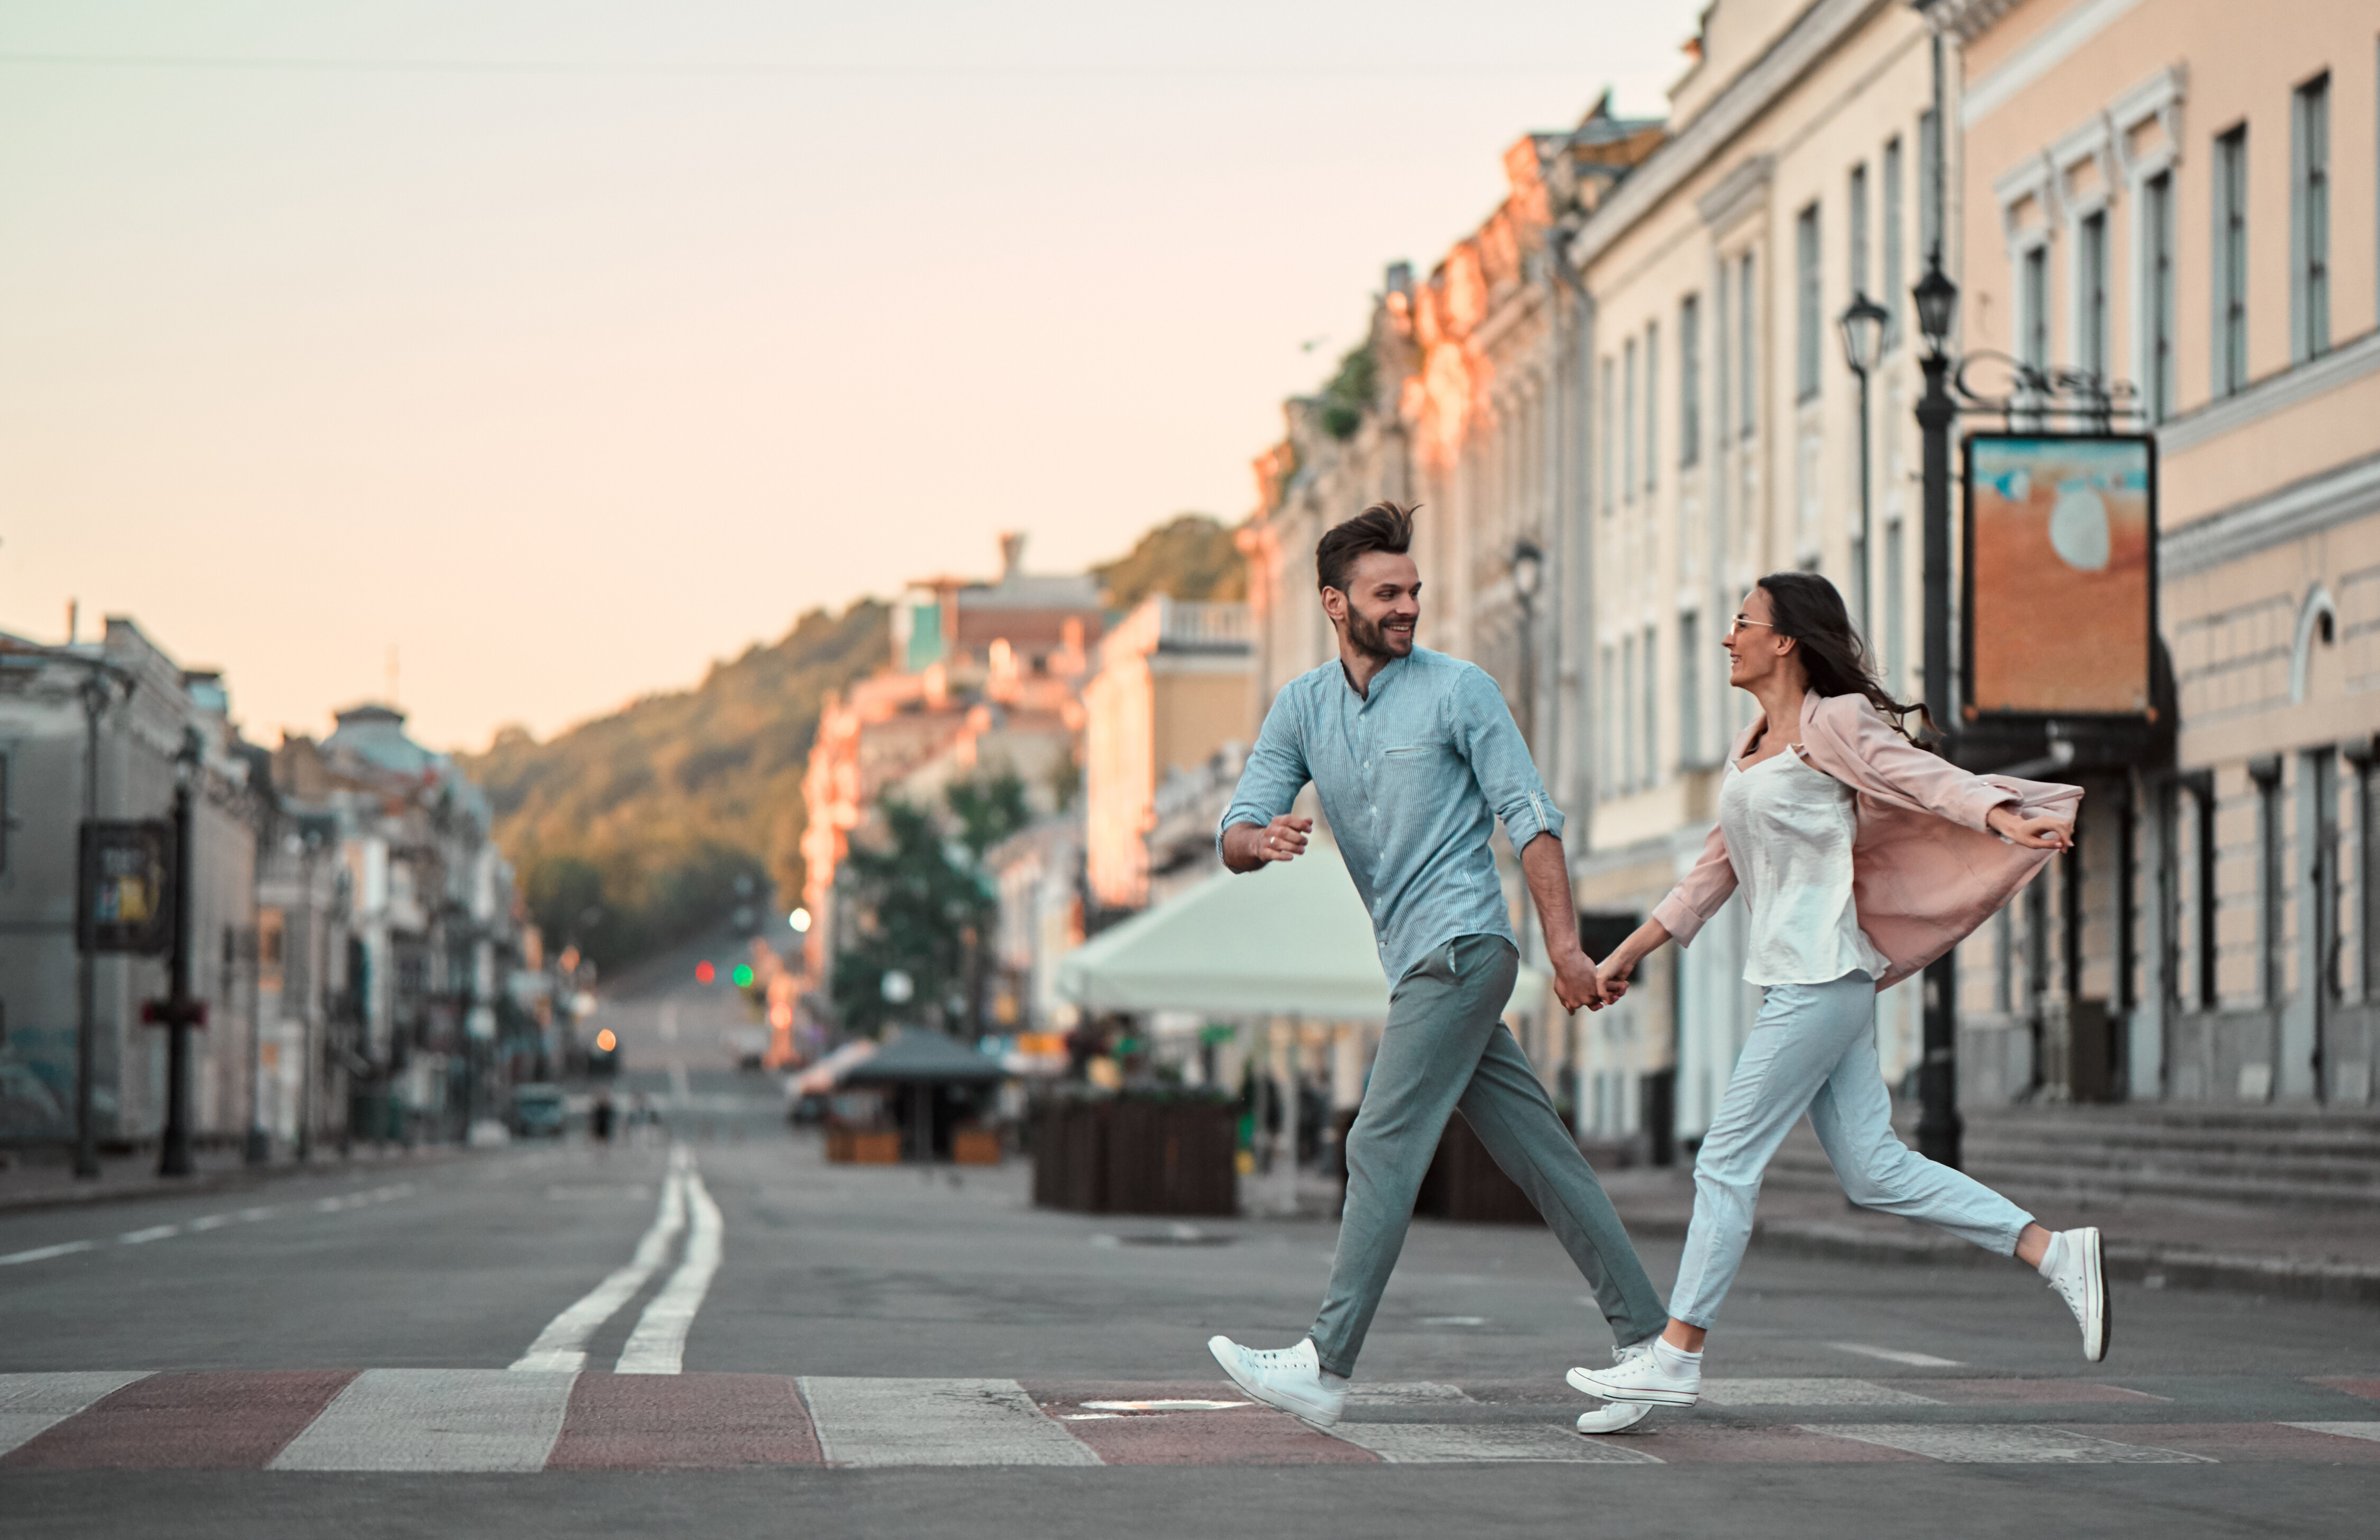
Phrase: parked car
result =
(539, 1111)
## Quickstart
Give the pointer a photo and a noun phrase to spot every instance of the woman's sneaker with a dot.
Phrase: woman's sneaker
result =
(1613, 1417)
(1657, 1376)
(1289, 1378)
(2076, 1267)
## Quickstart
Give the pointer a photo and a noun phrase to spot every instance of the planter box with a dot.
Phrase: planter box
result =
(1130, 1156)
(1465, 1185)
(862, 1146)
(974, 1147)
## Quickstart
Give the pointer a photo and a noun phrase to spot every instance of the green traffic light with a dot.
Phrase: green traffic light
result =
(743, 976)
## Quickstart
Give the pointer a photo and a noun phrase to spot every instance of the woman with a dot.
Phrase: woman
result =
(1862, 858)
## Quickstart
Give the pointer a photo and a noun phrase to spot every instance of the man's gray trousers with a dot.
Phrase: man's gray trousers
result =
(1445, 1048)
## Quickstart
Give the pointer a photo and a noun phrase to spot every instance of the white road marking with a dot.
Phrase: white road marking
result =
(154, 1232)
(936, 1422)
(1454, 1320)
(2004, 1444)
(1806, 1392)
(680, 1092)
(209, 1221)
(1116, 1408)
(658, 1345)
(1465, 1443)
(435, 1420)
(42, 1254)
(2342, 1430)
(669, 1023)
(1894, 1355)
(31, 1405)
(562, 1346)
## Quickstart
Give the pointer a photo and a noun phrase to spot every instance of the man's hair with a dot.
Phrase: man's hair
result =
(1384, 525)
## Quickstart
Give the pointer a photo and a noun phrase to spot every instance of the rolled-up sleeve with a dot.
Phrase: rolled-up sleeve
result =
(1275, 774)
(1485, 732)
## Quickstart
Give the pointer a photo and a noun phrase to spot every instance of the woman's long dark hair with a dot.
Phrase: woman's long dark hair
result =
(1807, 609)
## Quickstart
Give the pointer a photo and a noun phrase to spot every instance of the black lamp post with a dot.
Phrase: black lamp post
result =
(1862, 324)
(1528, 572)
(178, 1011)
(1938, 1125)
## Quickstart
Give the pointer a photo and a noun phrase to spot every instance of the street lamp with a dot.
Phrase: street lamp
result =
(1936, 297)
(178, 1012)
(1528, 572)
(1862, 326)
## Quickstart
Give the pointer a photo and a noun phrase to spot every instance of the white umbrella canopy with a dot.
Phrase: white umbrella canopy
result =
(1292, 940)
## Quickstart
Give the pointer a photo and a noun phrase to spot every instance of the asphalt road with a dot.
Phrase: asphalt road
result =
(887, 1320)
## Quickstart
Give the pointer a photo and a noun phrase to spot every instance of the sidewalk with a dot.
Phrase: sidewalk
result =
(44, 1179)
(2319, 1254)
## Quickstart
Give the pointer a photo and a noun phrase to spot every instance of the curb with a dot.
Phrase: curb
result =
(2158, 1267)
(237, 1180)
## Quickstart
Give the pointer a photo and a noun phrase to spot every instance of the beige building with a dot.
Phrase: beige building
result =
(1169, 693)
(1725, 440)
(2182, 194)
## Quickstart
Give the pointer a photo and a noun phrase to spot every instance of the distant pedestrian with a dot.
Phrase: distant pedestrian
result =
(599, 1118)
(1862, 858)
(1416, 756)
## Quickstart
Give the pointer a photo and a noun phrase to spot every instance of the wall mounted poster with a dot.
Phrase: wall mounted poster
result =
(2061, 579)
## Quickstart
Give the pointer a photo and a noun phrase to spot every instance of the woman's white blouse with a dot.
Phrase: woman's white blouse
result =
(1788, 828)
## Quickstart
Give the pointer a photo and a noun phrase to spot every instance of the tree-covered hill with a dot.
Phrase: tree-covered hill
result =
(630, 831)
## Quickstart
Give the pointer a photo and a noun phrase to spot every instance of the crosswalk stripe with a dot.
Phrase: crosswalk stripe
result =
(234, 1420)
(562, 1346)
(1242, 1434)
(1451, 1443)
(936, 1422)
(435, 1420)
(32, 1404)
(2342, 1430)
(658, 1345)
(1808, 1392)
(2008, 1444)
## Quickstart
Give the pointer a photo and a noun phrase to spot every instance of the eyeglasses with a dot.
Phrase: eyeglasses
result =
(1739, 622)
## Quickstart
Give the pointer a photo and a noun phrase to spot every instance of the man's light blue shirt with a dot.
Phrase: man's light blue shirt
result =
(1412, 779)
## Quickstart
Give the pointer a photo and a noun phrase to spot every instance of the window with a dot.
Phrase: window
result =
(1628, 426)
(2367, 872)
(1627, 705)
(1745, 391)
(2203, 890)
(1649, 697)
(1893, 263)
(1690, 371)
(1809, 304)
(1604, 439)
(1721, 341)
(4, 812)
(1929, 193)
(2231, 261)
(1896, 623)
(1689, 705)
(2157, 236)
(2310, 221)
(1652, 407)
(2091, 294)
(2034, 298)
(1605, 783)
(2272, 881)
(1857, 227)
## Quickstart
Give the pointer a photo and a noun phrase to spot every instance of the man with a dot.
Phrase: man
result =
(1415, 756)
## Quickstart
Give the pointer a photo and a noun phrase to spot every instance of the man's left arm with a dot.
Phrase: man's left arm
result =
(1508, 777)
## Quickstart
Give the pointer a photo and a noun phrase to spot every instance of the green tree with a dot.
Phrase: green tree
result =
(1191, 557)
(920, 904)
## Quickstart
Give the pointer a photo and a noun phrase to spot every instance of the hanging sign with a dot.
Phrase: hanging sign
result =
(124, 898)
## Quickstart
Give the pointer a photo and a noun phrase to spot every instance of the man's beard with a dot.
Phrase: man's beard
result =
(1370, 637)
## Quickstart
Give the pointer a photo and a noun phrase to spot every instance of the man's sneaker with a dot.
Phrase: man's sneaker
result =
(1640, 1377)
(1613, 1417)
(2076, 1267)
(1290, 1378)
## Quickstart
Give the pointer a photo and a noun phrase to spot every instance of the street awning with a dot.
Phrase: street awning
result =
(920, 1056)
(1292, 940)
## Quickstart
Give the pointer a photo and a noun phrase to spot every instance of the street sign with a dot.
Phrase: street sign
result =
(2061, 591)
(124, 896)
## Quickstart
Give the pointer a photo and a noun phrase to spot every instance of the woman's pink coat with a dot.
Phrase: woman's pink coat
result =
(1925, 870)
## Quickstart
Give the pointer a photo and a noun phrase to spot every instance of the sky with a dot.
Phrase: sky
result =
(554, 348)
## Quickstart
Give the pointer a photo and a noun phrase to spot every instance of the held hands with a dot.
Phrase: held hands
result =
(2038, 832)
(1576, 985)
(1614, 976)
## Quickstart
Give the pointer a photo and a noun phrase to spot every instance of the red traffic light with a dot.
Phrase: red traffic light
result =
(704, 973)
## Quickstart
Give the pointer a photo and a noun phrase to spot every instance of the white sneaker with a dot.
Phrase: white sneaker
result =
(1290, 1378)
(1613, 1417)
(1642, 1378)
(2076, 1267)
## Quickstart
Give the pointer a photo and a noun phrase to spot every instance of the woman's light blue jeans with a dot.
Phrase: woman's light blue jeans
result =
(1813, 1048)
